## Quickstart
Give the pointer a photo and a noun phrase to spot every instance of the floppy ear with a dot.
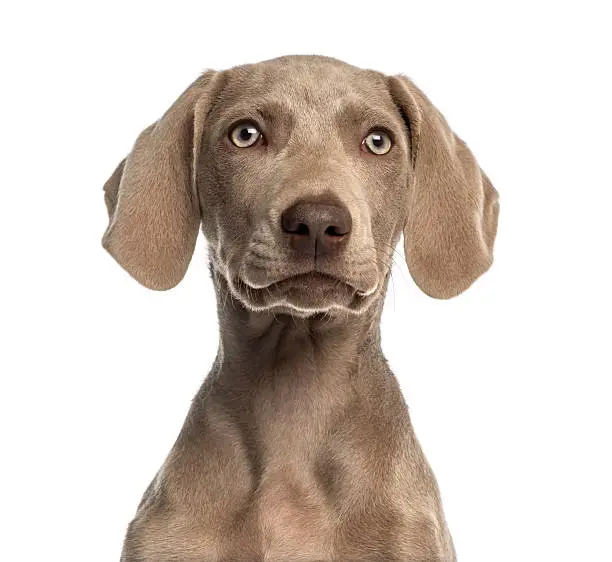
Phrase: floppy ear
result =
(151, 197)
(452, 216)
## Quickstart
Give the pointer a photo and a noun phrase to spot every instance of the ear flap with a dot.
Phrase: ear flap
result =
(452, 216)
(152, 198)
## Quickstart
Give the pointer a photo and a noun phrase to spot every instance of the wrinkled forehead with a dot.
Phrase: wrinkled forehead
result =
(308, 91)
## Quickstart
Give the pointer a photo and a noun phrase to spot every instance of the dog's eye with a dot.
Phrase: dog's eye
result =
(245, 135)
(377, 142)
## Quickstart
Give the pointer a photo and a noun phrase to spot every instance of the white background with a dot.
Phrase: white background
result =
(508, 385)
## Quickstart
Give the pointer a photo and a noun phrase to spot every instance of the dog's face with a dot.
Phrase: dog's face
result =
(303, 172)
(304, 189)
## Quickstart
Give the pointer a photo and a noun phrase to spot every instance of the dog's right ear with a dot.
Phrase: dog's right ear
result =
(152, 198)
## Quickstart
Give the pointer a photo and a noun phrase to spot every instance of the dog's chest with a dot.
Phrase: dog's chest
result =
(292, 522)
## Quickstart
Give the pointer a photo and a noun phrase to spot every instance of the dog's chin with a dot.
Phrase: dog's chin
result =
(304, 295)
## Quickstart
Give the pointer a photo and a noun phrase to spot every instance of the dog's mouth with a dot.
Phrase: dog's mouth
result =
(304, 293)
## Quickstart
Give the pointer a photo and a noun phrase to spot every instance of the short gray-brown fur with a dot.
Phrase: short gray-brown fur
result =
(298, 446)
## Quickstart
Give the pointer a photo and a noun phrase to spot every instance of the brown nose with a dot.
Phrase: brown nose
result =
(317, 229)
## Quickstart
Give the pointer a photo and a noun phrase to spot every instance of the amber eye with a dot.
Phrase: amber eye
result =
(377, 142)
(245, 135)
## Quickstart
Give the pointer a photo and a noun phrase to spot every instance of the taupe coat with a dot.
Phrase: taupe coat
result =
(298, 446)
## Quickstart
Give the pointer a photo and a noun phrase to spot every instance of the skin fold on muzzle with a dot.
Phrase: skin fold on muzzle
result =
(302, 172)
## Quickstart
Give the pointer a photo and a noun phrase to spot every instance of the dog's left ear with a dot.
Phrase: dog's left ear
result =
(453, 208)
(151, 197)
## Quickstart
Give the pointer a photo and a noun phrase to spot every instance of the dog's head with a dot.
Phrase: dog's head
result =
(303, 172)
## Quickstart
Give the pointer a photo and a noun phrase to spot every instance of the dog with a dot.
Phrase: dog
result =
(302, 172)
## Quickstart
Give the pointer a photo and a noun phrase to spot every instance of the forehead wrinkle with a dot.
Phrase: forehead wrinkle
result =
(360, 112)
(270, 111)
(274, 110)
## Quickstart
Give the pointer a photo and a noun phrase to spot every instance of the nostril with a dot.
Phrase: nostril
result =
(335, 231)
(292, 223)
(295, 227)
(301, 229)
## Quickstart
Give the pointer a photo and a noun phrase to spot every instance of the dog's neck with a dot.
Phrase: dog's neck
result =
(287, 382)
(267, 342)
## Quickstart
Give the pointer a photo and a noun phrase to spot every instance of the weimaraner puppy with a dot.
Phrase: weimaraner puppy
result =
(303, 172)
